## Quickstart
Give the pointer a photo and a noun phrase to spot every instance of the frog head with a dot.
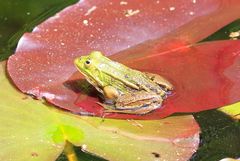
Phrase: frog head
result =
(89, 66)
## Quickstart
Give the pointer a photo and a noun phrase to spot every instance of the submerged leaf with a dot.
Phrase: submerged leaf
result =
(31, 130)
(232, 110)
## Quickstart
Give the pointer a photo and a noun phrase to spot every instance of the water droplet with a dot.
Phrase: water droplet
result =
(172, 8)
(85, 22)
(191, 13)
(123, 3)
(91, 10)
(131, 12)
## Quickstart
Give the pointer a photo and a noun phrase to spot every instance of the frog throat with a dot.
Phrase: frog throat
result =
(95, 84)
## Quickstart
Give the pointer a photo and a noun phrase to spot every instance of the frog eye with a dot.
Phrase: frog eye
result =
(87, 63)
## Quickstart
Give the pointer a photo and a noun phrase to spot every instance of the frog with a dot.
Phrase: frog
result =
(125, 90)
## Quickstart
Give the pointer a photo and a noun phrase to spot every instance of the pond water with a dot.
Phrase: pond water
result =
(17, 17)
(220, 134)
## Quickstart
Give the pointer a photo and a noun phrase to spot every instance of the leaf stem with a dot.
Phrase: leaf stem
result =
(70, 152)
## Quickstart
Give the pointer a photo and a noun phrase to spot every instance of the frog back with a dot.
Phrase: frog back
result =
(122, 77)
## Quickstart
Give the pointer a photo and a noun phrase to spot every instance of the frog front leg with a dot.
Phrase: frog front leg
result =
(110, 92)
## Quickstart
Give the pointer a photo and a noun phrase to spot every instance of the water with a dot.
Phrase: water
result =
(17, 17)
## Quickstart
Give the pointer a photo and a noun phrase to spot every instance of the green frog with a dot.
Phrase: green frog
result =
(125, 90)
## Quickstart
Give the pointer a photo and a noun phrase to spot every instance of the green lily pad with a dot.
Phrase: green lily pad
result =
(32, 130)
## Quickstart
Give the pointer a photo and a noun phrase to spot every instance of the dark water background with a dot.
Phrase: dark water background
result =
(220, 135)
(19, 16)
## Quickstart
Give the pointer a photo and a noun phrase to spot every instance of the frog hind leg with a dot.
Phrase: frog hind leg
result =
(137, 111)
(160, 81)
(111, 93)
(150, 108)
(141, 110)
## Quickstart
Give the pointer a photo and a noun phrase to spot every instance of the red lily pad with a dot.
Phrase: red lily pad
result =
(43, 63)
(205, 76)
